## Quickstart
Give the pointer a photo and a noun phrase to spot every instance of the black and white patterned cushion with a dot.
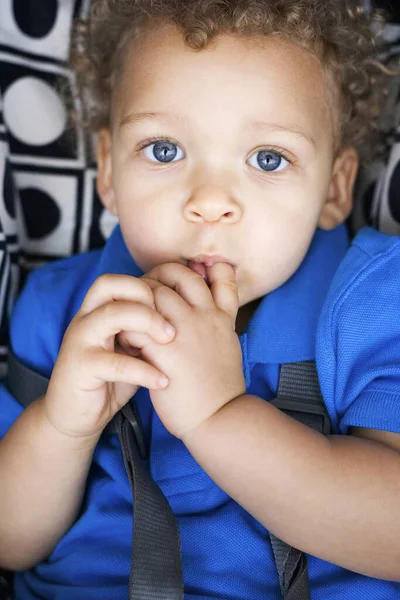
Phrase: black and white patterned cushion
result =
(48, 202)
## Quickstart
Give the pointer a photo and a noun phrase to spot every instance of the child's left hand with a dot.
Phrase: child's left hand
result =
(204, 361)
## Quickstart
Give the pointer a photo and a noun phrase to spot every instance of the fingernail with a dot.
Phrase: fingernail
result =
(169, 329)
(163, 381)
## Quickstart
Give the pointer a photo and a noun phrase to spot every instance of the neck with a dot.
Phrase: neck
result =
(244, 315)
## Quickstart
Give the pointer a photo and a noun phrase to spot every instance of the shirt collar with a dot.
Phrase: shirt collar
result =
(283, 328)
(116, 257)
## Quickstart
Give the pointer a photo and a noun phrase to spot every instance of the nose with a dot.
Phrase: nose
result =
(212, 204)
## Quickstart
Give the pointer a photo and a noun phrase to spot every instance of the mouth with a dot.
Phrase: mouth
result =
(199, 264)
(210, 260)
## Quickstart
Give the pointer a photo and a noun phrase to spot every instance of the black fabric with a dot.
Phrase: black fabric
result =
(5, 585)
(392, 7)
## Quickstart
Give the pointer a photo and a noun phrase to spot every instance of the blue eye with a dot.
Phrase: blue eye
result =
(163, 152)
(268, 161)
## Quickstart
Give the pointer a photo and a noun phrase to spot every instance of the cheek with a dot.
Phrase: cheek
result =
(274, 251)
(148, 236)
(143, 242)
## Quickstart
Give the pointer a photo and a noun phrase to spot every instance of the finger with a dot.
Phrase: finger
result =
(110, 319)
(223, 287)
(132, 342)
(188, 284)
(113, 367)
(109, 288)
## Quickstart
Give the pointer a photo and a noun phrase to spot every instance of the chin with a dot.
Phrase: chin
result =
(245, 297)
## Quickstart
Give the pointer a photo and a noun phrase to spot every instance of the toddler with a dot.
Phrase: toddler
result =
(229, 138)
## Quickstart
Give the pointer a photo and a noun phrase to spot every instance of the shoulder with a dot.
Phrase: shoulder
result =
(50, 298)
(367, 260)
(358, 354)
(54, 274)
(366, 283)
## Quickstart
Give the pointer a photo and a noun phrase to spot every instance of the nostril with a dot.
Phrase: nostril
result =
(194, 214)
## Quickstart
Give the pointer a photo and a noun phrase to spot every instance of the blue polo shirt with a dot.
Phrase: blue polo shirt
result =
(226, 553)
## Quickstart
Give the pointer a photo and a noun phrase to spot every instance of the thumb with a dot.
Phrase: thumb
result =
(223, 287)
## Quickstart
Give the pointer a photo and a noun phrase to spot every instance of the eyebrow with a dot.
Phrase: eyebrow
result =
(263, 125)
(135, 118)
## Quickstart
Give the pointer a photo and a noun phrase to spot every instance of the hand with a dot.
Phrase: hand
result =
(94, 375)
(204, 361)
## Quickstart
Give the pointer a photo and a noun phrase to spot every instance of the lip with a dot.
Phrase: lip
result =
(210, 260)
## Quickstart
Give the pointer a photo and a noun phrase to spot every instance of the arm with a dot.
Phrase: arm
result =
(43, 475)
(46, 455)
(336, 498)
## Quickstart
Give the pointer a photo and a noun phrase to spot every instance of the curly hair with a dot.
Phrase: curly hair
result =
(339, 32)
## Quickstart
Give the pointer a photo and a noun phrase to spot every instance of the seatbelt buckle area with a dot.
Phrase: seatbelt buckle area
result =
(131, 415)
(287, 405)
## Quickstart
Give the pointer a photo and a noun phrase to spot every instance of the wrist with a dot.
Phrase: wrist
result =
(81, 442)
(206, 427)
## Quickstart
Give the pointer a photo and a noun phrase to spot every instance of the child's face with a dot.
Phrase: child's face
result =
(249, 139)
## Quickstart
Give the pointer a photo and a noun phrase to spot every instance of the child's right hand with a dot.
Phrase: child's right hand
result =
(94, 376)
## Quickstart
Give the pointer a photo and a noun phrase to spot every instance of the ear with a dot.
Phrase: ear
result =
(339, 201)
(104, 170)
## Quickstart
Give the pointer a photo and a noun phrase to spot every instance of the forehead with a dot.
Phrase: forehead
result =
(233, 80)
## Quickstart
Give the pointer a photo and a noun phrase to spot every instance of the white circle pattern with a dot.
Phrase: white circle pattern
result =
(34, 112)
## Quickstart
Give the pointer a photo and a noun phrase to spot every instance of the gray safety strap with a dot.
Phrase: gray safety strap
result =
(156, 572)
(24, 383)
(299, 396)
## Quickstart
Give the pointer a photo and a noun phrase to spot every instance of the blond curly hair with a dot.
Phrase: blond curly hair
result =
(339, 32)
